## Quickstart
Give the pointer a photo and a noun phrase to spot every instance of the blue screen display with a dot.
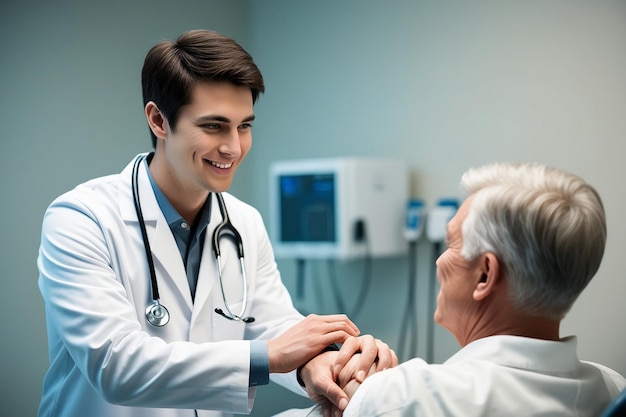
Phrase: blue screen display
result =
(307, 208)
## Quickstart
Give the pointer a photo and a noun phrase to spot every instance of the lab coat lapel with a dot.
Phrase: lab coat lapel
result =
(208, 280)
(167, 255)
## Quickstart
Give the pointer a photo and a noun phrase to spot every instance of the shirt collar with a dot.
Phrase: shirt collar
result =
(522, 352)
(171, 215)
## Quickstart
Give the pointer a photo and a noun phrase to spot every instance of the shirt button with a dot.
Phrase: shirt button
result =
(184, 225)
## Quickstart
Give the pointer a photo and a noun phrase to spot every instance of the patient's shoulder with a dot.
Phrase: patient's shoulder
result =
(614, 381)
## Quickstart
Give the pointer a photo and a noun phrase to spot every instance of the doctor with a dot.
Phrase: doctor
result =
(143, 317)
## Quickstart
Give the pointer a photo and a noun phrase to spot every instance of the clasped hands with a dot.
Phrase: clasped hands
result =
(330, 378)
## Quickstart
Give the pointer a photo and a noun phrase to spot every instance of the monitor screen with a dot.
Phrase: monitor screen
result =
(307, 207)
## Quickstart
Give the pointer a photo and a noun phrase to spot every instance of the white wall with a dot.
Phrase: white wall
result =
(445, 85)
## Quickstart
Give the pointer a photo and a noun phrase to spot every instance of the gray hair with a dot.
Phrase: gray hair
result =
(546, 226)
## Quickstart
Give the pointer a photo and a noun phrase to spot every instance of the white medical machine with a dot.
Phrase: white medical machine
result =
(338, 208)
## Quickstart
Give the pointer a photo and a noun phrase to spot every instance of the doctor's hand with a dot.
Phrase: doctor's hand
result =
(307, 339)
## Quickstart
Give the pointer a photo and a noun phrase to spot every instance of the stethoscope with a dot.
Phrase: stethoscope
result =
(156, 313)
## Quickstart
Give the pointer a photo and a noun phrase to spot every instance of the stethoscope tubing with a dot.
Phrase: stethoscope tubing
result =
(244, 302)
(142, 225)
(156, 313)
(227, 230)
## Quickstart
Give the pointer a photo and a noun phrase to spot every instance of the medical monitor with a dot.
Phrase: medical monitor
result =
(338, 208)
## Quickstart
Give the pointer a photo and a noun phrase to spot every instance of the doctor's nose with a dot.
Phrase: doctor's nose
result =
(231, 145)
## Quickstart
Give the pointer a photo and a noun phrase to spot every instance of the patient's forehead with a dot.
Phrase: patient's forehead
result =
(456, 223)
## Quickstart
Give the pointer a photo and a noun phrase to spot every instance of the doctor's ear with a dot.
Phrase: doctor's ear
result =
(156, 121)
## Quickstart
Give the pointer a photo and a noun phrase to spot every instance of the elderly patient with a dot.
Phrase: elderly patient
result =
(520, 250)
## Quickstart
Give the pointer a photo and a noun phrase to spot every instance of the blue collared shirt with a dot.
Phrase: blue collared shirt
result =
(190, 241)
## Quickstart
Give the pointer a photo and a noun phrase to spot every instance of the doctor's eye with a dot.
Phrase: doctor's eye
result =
(211, 126)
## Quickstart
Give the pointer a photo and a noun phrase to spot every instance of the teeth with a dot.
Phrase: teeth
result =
(223, 166)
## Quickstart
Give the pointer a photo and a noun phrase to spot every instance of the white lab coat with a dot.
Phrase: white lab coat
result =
(105, 359)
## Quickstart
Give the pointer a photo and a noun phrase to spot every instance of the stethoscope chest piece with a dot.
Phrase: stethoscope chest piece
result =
(156, 314)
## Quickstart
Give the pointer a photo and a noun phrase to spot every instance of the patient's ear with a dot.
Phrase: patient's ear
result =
(490, 276)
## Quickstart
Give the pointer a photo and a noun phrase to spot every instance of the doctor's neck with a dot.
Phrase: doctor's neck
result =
(185, 196)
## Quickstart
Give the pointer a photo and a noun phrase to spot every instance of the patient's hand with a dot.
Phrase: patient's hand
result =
(332, 377)
(315, 378)
(347, 377)
(370, 351)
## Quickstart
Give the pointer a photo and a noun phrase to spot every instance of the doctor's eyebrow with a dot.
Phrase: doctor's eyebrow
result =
(217, 118)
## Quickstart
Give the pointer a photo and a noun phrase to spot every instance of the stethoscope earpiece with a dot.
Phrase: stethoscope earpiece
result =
(156, 314)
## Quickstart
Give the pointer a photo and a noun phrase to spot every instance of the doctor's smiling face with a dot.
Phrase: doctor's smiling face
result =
(212, 136)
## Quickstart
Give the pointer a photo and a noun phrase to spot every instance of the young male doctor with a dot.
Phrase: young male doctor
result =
(143, 317)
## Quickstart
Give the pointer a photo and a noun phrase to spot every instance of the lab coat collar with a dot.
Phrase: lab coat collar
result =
(522, 352)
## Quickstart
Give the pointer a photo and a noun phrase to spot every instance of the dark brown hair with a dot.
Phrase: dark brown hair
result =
(171, 69)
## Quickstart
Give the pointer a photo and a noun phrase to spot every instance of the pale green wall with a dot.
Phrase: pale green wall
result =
(442, 85)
